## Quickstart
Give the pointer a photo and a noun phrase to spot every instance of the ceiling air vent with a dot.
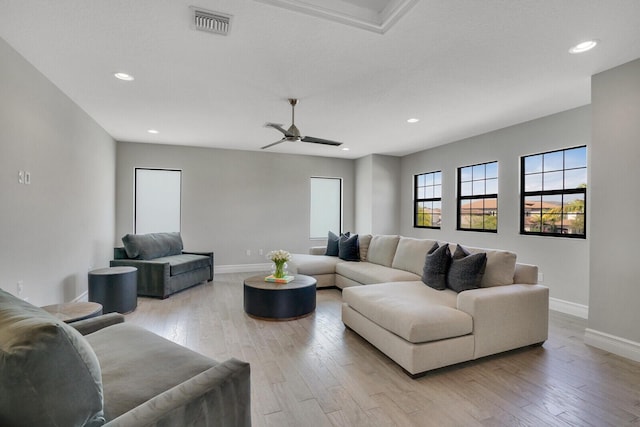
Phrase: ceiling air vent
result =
(212, 22)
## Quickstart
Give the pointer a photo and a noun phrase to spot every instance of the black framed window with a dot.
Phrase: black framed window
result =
(478, 197)
(553, 196)
(427, 209)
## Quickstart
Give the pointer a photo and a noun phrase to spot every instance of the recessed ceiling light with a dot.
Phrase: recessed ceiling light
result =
(346, 149)
(124, 76)
(153, 131)
(413, 120)
(584, 46)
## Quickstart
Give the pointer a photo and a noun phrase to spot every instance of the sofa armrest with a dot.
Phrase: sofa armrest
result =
(211, 259)
(93, 324)
(317, 250)
(506, 317)
(219, 396)
(120, 253)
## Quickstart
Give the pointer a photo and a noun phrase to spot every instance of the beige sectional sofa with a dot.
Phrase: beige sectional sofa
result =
(422, 328)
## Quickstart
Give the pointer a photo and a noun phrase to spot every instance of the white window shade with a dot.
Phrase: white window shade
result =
(157, 200)
(326, 207)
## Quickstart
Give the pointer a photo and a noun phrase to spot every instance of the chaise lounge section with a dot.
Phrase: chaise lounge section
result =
(422, 328)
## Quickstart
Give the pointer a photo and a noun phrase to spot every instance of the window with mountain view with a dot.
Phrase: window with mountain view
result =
(427, 211)
(478, 197)
(554, 193)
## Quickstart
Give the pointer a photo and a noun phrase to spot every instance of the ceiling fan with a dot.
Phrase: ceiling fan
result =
(293, 134)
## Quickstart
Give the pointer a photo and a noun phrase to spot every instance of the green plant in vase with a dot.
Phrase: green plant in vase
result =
(279, 259)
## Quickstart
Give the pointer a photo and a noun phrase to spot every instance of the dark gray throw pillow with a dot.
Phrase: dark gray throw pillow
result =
(332, 244)
(152, 245)
(349, 248)
(436, 266)
(466, 270)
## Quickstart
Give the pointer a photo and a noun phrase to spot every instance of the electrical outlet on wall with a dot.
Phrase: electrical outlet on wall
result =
(19, 288)
(540, 277)
(248, 252)
(261, 252)
(20, 177)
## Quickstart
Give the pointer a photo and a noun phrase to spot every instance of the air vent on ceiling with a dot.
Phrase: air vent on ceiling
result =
(212, 22)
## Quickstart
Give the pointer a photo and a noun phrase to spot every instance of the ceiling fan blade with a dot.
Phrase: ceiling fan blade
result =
(274, 143)
(278, 127)
(320, 141)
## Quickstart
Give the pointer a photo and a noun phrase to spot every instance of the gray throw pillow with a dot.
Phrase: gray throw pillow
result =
(349, 248)
(332, 244)
(49, 374)
(436, 266)
(152, 245)
(466, 270)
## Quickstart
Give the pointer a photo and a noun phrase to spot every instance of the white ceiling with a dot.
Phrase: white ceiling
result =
(464, 67)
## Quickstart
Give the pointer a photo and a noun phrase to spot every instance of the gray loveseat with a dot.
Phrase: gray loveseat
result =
(103, 372)
(163, 267)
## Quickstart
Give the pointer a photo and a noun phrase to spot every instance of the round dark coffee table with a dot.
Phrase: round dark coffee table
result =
(275, 301)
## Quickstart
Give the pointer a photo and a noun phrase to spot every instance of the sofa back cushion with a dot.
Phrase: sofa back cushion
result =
(152, 245)
(500, 269)
(364, 240)
(382, 249)
(411, 253)
(49, 375)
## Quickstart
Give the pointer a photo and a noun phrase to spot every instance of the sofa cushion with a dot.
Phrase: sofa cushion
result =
(410, 310)
(368, 273)
(466, 270)
(501, 267)
(141, 366)
(152, 245)
(312, 265)
(410, 254)
(348, 248)
(364, 240)
(436, 266)
(333, 247)
(184, 263)
(49, 375)
(382, 249)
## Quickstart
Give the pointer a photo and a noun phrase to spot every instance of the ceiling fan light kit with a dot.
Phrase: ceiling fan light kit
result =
(293, 133)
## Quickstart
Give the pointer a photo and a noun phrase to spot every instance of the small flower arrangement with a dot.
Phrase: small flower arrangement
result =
(279, 258)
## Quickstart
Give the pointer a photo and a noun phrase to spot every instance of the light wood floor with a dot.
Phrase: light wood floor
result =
(312, 372)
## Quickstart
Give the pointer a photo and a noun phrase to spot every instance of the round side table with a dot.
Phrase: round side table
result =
(116, 288)
(73, 311)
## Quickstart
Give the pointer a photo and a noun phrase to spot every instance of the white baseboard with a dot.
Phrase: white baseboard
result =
(82, 297)
(568, 307)
(242, 268)
(613, 344)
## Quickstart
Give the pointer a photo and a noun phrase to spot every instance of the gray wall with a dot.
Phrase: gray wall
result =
(615, 206)
(377, 196)
(563, 262)
(364, 195)
(54, 230)
(234, 201)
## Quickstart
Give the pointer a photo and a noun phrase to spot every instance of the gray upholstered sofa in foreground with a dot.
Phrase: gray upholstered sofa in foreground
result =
(163, 267)
(103, 372)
